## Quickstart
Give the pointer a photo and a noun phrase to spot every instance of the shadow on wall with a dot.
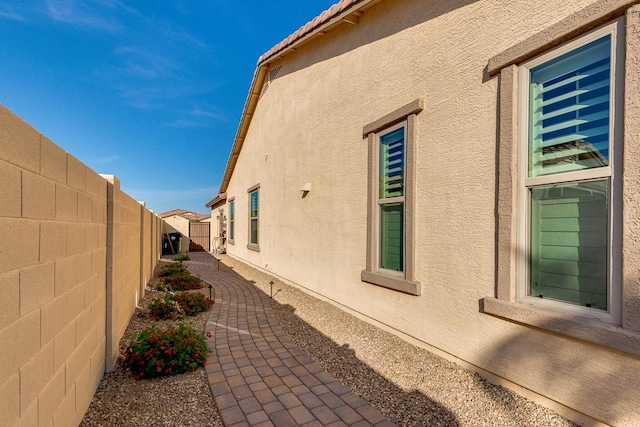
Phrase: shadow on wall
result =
(607, 388)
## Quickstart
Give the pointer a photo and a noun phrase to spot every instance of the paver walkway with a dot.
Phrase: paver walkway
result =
(258, 377)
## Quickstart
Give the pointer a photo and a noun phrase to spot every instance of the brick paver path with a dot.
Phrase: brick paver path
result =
(258, 377)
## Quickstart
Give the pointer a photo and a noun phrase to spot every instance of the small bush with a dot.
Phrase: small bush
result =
(181, 282)
(156, 352)
(179, 304)
(172, 269)
(182, 257)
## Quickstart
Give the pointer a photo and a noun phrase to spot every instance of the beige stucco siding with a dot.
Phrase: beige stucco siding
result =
(307, 128)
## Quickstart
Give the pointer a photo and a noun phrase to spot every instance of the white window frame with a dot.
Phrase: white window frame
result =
(610, 172)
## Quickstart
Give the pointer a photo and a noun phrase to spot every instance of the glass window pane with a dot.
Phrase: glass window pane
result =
(254, 204)
(391, 236)
(569, 236)
(569, 100)
(392, 164)
(254, 231)
(232, 210)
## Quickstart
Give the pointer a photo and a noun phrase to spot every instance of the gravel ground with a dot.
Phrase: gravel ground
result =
(182, 400)
(409, 385)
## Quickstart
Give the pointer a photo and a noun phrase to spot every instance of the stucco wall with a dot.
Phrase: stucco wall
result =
(58, 260)
(176, 223)
(307, 127)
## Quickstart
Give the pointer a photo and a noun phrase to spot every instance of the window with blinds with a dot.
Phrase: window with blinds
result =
(569, 111)
(568, 176)
(232, 219)
(253, 218)
(391, 198)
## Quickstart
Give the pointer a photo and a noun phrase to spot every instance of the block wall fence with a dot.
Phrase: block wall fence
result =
(75, 255)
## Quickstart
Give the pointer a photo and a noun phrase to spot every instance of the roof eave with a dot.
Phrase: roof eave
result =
(349, 15)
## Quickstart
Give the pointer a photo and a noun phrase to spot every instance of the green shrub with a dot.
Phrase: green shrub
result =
(172, 269)
(156, 352)
(182, 257)
(179, 304)
(180, 282)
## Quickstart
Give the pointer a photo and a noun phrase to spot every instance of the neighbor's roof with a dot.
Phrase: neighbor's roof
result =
(343, 12)
(183, 213)
(217, 201)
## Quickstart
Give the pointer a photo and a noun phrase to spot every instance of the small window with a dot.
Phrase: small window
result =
(254, 218)
(232, 218)
(391, 190)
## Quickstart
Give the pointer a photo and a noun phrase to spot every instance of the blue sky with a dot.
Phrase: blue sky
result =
(151, 92)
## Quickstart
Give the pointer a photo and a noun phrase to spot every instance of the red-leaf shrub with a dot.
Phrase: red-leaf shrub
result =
(156, 352)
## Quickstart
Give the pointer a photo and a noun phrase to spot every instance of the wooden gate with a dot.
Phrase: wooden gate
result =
(200, 239)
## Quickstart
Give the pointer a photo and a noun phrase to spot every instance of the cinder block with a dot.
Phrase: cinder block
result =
(76, 362)
(38, 197)
(19, 342)
(66, 415)
(10, 191)
(97, 365)
(66, 274)
(91, 288)
(75, 304)
(83, 324)
(9, 401)
(54, 318)
(85, 208)
(30, 418)
(76, 174)
(19, 142)
(66, 203)
(54, 161)
(22, 237)
(34, 376)
(102, 235)
(99, 211)
(51, 397)
(84, 267)
(75, 244)
(53, 240)
(36, 286)
(96, 185)
(64, 344)
(10, 297)
(91, 236)
(84, 393)
(99, 261)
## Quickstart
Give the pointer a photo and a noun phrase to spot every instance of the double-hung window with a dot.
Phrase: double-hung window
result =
(253, 218)
(390, 210)
(391, 200)
(568, 174)
(232, 219)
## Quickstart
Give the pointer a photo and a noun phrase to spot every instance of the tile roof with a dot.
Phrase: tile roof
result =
(183, 213)
(316, 22)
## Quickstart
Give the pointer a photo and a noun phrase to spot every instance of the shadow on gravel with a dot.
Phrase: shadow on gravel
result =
(405, 408)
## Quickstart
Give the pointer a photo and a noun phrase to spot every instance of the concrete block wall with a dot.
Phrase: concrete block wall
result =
(69, 238)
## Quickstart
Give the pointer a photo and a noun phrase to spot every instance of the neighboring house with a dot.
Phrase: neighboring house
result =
(219, 222)
(195, 235)
(465, 174)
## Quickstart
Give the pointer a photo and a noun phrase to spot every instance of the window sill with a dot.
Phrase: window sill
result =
(394, 283)
(253, 247)
(590, 330)
(231, 242)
